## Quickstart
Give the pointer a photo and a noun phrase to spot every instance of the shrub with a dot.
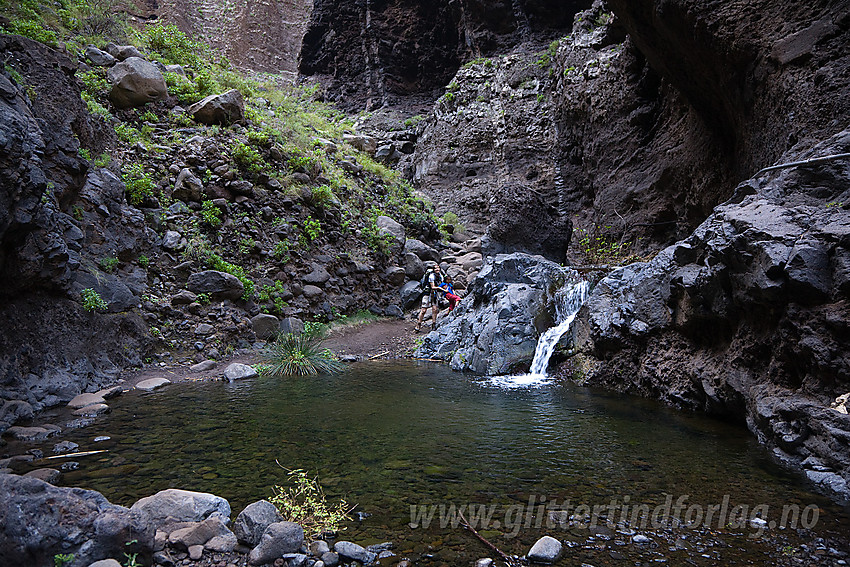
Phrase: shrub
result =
(304, 503)
(298, 354)
(210, 214)
(33, 30)
(143, 261)
(182, 87)
(599, 249)
(109, 264)
(92, 301)
(312, 228)
(139, 184)
(247, 158)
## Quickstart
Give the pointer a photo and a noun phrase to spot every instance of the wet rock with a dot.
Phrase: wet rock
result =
(49, 476)
(252, 522)
(92, 410)
(64, 447)
(29, 433)
(545, 550)
(135, 82)
(350, 550)
(84, 400)
(237, 371)
(485, 562)
(219, 285)
(15, 410)
(277, 539)
(152, 384)
(41, 521)
(265, 326)
(225, 109)
(181, 506)
(640, 538)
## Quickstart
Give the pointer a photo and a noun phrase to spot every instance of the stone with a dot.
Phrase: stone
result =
(252, 522)
(14, 411)
(312, 292)
(395, 276)
(353, 551)
(196, 552)
(187, 187)
(318, 276)
(291, 325)
(224, 109)
(181, 506)
(204, 330)
(422, 250)
(183, 297)
(98, 58)
(471, 261)
(92, 410)
(106, 563)
(410, 294)
(123, 52)
(219, 285)
(265, 326)
(237, 371)
(330, 559)
(112, 392)
(84, 400)
(200, 533)
(152, 384)
(203, 366)
(545, 550)
(29, 433)
(392, 229)
(319, 547)
(277, 539)
(640, 538)
(413, 265)
(172, 240)
(485, 562)
(394, 311)
(49, 476)
(224, 543)
(64, 447)
(40, 521)
(135, 82)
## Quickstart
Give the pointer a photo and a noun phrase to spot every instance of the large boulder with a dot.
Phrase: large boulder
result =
(422, 250)
(38, 521)
(393, 232)
(509, 304)
(265, 326)
(135, 82)
(219, 285)
(225, 109)
(277, 539)
(181, 506)
(251, 523)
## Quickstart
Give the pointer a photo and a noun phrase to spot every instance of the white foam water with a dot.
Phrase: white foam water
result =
(568, 301)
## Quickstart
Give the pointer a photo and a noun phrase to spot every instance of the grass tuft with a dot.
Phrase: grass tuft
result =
(299, 354)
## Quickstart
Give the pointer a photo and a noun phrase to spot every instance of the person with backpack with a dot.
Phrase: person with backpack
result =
(432, 292)
(449, 291)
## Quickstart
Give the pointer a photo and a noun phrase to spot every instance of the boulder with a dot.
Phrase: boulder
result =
(277, 539)
(353, 551)
(202, 366)
(394, 231)
(40, 521)
(395, 276)
(181, 506)
(84, 400)
(238, 371)
(251, 523)
(225, 109)
(29, 433)
(152, 384)
(545, 550)
(15, 410)
(265, 326)
(312, 292)
(106, 563)
(98, 58)
(219, 285)
(92, 410)
(187, 187)
(183, 297)
(318, 276)
(291, 325)
(123, 52)
(414, 267)
(49, 476)
(135, 82)
(410, 294)
(200, 533)
(422, 250)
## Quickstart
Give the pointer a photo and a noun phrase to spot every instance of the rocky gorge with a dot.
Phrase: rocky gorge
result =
(549, 130)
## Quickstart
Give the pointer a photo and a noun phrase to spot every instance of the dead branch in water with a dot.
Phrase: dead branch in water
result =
(509, 561)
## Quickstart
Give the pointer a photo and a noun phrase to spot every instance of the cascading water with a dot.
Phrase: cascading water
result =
(568, 300)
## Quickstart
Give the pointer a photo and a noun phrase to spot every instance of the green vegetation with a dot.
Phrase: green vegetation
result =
(139, 184)
(450, 220)
(312, 228)
(600, 250)
(298, 354)
(272, 294)
(210, 214)
(304, 503)
(546, 57)
(247, 158)
(92, 301)
(143, 261)
(62, 559)
(109, 264)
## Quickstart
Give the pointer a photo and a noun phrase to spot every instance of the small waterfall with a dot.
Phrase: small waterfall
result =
(568, 301)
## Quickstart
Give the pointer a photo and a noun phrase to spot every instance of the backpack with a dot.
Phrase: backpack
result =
(425, 284)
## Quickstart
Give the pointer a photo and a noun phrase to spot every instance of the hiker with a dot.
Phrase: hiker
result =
(431, 297)
(450, 293)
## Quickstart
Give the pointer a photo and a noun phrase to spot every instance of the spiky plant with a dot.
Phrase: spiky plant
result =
(299, 354)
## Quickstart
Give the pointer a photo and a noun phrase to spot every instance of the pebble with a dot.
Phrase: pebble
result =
(640, 538)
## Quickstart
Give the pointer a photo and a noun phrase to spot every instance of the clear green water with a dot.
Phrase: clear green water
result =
(388, 435)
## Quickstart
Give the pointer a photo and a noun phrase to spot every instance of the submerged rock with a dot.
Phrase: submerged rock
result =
(545, 550)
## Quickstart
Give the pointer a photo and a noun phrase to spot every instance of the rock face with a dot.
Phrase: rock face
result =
(371, 53)
(496, 326)
(38, 521)
(745, 318)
